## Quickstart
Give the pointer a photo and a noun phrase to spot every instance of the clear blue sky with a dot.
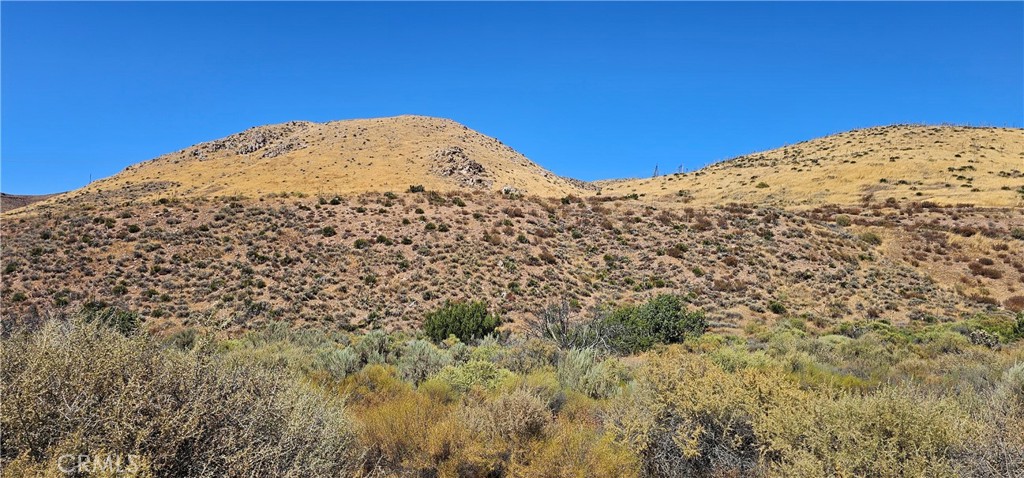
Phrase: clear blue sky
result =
(591, 90)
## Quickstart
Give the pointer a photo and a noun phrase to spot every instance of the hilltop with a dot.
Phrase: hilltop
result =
(946, 165)
(338, 157)
(940, 164)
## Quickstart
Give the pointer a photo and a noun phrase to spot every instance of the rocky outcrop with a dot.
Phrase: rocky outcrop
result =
(274, 139)
(453, 162)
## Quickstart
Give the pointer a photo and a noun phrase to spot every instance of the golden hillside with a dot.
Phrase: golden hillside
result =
(340, 157)
(942, 164)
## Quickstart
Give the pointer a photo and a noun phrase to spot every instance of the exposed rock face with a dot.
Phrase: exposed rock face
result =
(453, 162)
(274, 138)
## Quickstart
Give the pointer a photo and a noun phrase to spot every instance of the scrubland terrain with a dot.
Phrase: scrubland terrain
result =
(407, 297)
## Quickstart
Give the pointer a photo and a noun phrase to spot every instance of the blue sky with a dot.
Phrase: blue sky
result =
(589, 90)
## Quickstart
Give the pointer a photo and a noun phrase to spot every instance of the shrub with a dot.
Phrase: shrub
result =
(1015, 303)
(475, 373)
(761, 185)
(466, 320)
(123, 321)
(575, 450)
(662, 320)
(328, 231)
(373, 347)
(843, 220)
(515, 416)
(420, 359)
(416, 188)
(871, 238)
(185, 414)
(689, 417)
(583, 371)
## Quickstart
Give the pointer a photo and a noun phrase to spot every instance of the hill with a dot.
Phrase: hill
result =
(383, 260)
(316, 223)
(338, 157)
(941, 164)
(10, 202)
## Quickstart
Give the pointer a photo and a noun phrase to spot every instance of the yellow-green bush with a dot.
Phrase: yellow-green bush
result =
(82, 388)
(688, 416)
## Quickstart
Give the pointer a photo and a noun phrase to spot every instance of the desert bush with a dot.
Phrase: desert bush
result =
(584, 371)
(420, 359)
(578, 450)
(473, 374)
(413, 434)
(871, 238)
(373, 347)
(466, 320)
(184, 414)
(1014, 303)
(689, 417)
(556, 323)
(373, 385)
(339, 363)
(515, 416)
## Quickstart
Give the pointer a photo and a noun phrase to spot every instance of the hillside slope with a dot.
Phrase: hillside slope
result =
(941, 164)
(9, 202)
(338, 157)
(376, 260)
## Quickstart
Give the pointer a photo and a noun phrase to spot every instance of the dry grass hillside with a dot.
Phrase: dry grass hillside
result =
(941, 164)
(339, 157)
(317, 223)
(383, 260)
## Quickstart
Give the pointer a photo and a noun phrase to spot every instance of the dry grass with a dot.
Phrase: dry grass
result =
(943, 164)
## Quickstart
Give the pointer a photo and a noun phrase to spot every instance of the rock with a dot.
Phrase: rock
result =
(453, 162)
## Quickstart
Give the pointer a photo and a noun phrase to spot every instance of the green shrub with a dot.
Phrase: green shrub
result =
(466, 320)
(123, 321)
(662, 320)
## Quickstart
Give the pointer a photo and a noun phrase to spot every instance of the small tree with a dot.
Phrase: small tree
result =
(466, 320)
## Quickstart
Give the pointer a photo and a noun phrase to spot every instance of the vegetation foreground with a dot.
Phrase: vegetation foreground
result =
(638, 390)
